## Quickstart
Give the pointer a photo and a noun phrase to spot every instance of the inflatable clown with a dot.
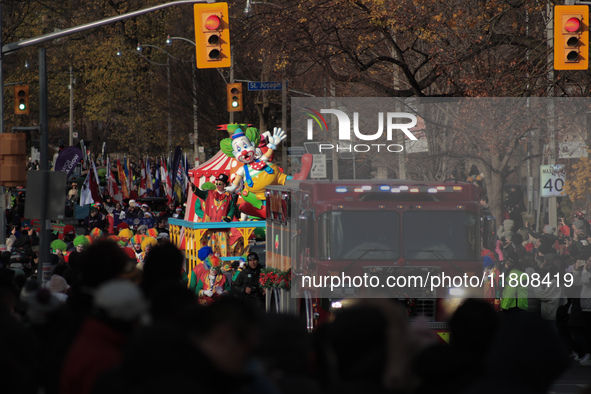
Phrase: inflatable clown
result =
(257, 171)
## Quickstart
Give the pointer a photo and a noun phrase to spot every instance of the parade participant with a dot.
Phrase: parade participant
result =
(81, 243)
(492, 292)
(218, 206)
(212, 284)
(125, 235)
(258, 172)
(515, 296)
(94, 219)
(247, 284)
(178, 213)
(147, 244)
(74, 194)
(136, 244)
(96, 233)
(58, 248)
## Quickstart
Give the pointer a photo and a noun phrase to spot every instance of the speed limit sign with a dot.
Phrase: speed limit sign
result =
(552, 179)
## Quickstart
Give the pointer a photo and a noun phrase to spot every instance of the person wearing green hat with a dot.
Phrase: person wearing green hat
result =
(81, 243)
(58, 248)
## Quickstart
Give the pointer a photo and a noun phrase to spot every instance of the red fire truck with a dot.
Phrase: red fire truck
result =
(374, 229)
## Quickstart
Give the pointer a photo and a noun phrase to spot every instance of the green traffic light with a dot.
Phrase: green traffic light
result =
(234, 104)
(22, 106)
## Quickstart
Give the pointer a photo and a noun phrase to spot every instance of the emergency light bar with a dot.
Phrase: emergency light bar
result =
(398, 189)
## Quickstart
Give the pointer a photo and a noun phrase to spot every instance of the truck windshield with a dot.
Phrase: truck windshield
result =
(359, 235)
(441, 235)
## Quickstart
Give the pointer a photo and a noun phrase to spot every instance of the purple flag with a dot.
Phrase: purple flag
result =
(68, 159)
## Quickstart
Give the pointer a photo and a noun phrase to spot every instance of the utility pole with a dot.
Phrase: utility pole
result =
(2, 191)
(71, 141)
(552, 212)
(284, 125)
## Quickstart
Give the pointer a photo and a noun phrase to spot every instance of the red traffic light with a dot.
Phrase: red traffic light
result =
(572, 25)
(212, 22)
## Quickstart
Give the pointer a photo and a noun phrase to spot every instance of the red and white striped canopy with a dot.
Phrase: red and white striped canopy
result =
(218, 164)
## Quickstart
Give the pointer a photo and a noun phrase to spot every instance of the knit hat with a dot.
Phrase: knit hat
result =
(58, 244)
(580, 214)
(152, 232)
(579, 225)
(69, 229)
(148, 241)
(57, 284)
(81, 240)
(121, 226)
(548, 229)
(162, 236)
(488, 262)
(121, 300)
(96, 232)
(129, 252)
(142, 227)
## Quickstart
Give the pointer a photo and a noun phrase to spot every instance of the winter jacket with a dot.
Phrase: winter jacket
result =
(248, 277)
(514, 296)
(583, 278)
(551, 297)
(97, 349)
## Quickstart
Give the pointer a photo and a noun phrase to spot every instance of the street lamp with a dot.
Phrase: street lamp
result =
(195, 106)
(248, 8)
(167, 64)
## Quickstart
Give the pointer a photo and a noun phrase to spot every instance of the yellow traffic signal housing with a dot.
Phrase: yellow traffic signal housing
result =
(571, 37)
(212, 35)
(234, 96)
(21, 100)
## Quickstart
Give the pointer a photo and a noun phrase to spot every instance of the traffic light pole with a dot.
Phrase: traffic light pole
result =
(44, 265)
(44, 239)
(2, 191)
(232, 81)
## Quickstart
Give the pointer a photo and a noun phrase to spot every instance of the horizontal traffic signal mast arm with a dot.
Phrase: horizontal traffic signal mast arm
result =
(66, 32)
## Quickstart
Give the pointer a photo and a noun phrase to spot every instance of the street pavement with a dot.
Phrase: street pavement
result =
(573, 381)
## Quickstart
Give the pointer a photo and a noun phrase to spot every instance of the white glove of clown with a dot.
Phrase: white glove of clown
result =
(231, 188)
(278, 136)
(208, 293)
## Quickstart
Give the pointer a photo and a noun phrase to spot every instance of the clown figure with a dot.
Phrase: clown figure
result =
(257, 171)
(212, 283)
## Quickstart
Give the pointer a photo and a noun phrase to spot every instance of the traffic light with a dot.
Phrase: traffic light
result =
(571, 37)
(212, 35)
(234, 94)
(13, 159)
(21, 100)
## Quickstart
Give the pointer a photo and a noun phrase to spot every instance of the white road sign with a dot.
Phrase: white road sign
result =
(318, 166)
(552, 179)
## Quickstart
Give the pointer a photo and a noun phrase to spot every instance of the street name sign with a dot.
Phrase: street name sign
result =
(265, 85)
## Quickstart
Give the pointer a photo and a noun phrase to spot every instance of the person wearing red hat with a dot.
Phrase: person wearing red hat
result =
(218, 206)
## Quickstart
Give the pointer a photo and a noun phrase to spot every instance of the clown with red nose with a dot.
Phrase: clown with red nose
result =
(256, 171)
